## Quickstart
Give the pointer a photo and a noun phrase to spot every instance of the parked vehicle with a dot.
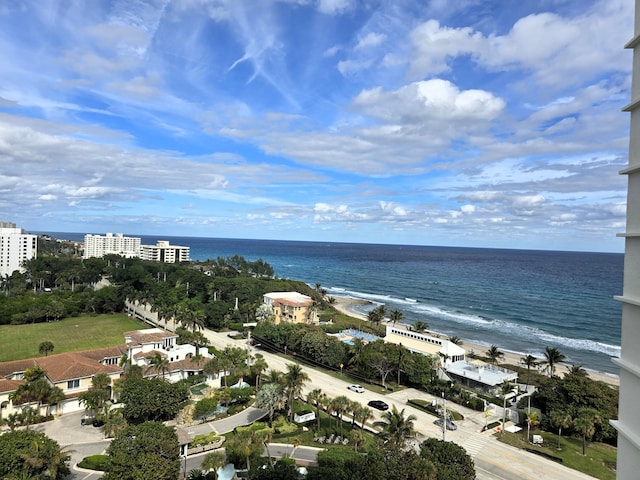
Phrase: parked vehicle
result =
(356, 388)
(450, 424)
(378, 405)
(87, 419)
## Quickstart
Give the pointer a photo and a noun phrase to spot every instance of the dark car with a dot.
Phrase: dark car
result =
(378, 405)
(450, 424)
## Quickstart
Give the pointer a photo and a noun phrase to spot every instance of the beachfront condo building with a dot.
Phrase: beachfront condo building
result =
(628, 423)
(118, 244)
(130, 247)
(16, 246)
(163, 251)
(290, 307)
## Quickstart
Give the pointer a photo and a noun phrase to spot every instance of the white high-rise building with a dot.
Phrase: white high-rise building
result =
(164, 252)
(16, 246)
(628, 423)
(118, 244)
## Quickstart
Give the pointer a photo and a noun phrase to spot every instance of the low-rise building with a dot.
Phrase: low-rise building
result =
(480, 375)
(291, 307)
(72, 372)
(425, 343)
(475, 374)
(164, 252)
(143, 346)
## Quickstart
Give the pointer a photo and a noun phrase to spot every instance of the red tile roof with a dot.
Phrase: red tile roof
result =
(8, 369)
(72, 365)
(9, 385)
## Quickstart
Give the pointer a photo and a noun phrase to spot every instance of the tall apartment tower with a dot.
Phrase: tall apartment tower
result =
(16, 246)
(101, 245)
(628, 423)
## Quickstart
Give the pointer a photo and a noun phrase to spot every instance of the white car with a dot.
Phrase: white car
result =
(356, 388)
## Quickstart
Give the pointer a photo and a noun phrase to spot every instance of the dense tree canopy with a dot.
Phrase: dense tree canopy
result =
(573, 392)
(30, 454)
(57, 284)
(139, 452)
(451, 460)
(147, 399)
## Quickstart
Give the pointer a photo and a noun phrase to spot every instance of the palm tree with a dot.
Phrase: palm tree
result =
(577, 371)
(274, 376)
(505, 389)
(552, 358)
(356, 436)
(529, 361)
(494, 354)
(354, 409)
(365, 415)
(374, 317)
(585, 425)
(294, 380)
(396, 428)
(456, 340)
(395, 317)
(316, 397)
(213, 461)
(192, 317)
(340, 405)
(560, 419)
(45, 348)
(420, 326)
(160, 363)
(259, 366)
(355, 350)
(54, 397)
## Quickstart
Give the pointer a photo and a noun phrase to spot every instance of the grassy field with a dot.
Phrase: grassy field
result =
(599, 461)
(71, 334)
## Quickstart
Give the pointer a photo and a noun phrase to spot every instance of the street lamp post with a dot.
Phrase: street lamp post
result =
(444, 418)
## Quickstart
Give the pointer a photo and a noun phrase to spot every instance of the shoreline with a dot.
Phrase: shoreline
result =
(346, 305)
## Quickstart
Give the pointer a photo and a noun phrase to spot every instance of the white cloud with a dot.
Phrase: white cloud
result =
(335, 7)
(554, 49)
(431, 100)
(371, 40)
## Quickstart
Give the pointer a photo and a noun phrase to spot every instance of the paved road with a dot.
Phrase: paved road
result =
(494, 460)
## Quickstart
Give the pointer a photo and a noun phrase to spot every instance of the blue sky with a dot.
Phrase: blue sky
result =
(468, 123)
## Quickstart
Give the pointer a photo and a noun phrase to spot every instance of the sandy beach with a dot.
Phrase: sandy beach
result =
(346, 305)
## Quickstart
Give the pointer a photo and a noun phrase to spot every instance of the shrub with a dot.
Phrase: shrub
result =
(94, 462)
(201, 440)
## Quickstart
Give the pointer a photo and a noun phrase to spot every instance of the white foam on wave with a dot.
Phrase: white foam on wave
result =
(374, 297)
(486, 323)
(518, 330)
(457, 317)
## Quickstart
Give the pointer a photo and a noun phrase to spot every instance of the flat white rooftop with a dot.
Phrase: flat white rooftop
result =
(481, 372)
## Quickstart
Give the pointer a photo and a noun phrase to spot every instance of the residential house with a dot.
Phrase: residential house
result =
(72, 372)
(291, 307)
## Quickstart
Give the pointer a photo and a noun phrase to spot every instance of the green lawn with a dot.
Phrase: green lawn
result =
(599, 461)
(71, 334)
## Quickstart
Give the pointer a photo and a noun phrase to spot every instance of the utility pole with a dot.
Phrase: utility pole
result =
(444, 418)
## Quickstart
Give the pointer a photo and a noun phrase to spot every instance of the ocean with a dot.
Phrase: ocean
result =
(519, 300)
